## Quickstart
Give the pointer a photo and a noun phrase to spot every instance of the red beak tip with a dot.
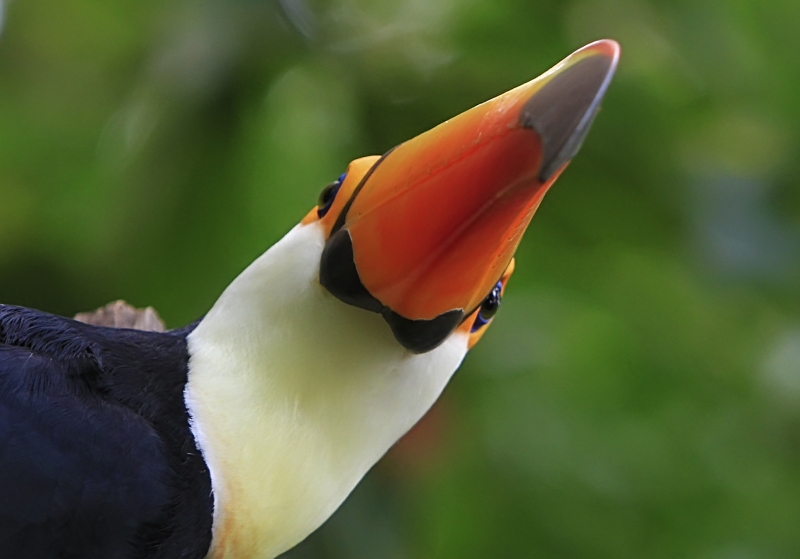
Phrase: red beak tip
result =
(606, 47)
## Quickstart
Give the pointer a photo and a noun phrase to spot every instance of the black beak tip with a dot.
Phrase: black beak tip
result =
(563, 110)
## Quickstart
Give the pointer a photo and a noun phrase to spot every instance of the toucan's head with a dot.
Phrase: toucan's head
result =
(296, 389)
(425, 235)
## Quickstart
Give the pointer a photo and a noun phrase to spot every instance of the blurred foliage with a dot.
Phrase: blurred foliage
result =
(639, 393)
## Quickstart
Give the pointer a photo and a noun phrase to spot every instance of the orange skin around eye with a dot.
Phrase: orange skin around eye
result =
(355, 172)
(466, 326)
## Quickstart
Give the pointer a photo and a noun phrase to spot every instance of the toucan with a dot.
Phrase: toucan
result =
(238, 435)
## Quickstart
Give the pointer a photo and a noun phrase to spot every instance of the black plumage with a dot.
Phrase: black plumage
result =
(97, 459)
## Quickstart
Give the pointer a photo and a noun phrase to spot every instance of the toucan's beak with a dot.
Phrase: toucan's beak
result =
(435, 222)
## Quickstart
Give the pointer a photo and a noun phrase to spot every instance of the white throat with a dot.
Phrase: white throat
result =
(294, 395)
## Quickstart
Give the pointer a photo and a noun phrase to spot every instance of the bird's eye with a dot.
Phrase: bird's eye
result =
(488, 307)
(328, 194)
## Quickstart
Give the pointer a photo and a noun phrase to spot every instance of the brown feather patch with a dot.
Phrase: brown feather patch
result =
(120, 314)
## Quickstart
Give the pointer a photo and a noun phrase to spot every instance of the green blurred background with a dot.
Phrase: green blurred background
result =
(639, 393)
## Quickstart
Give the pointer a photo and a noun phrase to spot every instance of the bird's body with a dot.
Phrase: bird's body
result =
(237, 436)
(97, 459)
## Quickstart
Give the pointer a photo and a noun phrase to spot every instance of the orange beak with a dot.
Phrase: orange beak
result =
(435, 222)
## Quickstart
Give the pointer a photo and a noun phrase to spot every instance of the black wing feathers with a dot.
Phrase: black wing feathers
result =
(96, 455)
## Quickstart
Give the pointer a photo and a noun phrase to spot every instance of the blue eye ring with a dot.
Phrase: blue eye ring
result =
(488, 308)
(328, 195)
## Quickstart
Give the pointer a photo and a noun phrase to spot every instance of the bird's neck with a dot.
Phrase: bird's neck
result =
(294, 395)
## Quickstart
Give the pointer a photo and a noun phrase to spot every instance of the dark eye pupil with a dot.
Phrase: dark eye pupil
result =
(488, 307)
(328, 194)
(491, 303)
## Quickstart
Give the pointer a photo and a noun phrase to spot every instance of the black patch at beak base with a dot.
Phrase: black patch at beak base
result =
(339, 275)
